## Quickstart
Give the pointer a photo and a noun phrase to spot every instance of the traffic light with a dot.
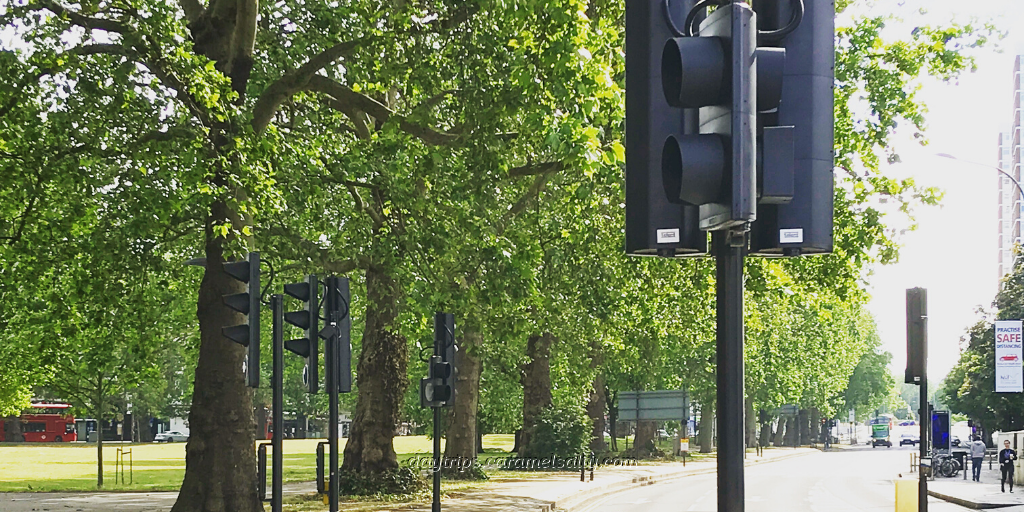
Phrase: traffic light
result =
(715, 71)
(436, 388)
(307, 319)
(917, 335)
(247, 303)
(803, 224)
(656, 225)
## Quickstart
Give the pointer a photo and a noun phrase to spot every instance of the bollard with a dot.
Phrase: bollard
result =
(906, 495)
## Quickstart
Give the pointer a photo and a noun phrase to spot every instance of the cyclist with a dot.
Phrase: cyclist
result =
(1006, 457)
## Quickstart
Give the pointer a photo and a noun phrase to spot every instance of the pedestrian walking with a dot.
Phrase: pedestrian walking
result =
(977, 456)
(1006, 457)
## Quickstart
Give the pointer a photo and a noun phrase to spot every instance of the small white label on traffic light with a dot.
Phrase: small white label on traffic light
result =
(668, 236)
(791, 236)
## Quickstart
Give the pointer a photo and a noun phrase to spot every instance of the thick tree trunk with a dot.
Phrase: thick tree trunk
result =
(644, 442)
(220, 469)
(707, 428)
(382, 379)
(780, 433)
(536, 380)
(792, 431)
(12, 430)
(595, 409)
(750, 420)
(462, 432)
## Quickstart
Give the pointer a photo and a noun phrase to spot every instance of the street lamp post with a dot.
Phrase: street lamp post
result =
(1000, 170)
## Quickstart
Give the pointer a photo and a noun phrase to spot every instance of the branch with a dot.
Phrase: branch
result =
(375, 216)
(533, 170)
(535, 189)
(82, 20)
(347, 100)
(97, 49)
(294, 81)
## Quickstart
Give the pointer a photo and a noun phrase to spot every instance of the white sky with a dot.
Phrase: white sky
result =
(953, 253)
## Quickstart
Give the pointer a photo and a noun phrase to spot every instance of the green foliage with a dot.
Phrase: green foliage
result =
(970, 386)
(399, 482)
(560, 432)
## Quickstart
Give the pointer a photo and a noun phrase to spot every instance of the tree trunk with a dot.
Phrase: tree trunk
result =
(595, 409)
(462, 432)
(536, 380)
(220, 469)
(479, 440)
(99, 452)
(644, 442)
(707, 428)
(261, 421)
(765, 435)
(804, 426)
(815, 425)
(382, 378)
(750, 420)
(517, 445)
(792, 431)
(613, 417)
(780, 433)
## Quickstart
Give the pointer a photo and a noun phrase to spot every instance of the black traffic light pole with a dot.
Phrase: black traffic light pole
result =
(331, 377)
(917, 373)
(435, 504)
(728, 247)
(277, 384)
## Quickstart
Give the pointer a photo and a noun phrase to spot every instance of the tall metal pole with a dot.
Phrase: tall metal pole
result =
(331, 371)
(729, 253)
(277, 383)
(436, 503)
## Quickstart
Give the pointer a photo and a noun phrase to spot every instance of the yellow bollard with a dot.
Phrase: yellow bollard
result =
(906, 495)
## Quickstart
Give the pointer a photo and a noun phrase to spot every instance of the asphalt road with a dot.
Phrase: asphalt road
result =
(853, 479)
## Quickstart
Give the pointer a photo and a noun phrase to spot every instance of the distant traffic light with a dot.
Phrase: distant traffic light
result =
(917, 335)
(247, 303)
(307, 319)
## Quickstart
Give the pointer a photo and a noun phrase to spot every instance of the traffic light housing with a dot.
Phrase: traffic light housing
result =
(716, 72)
(917, 335)
(247, 303)
(802, 225)
(307, 319)
(438, 388)
(655, 225)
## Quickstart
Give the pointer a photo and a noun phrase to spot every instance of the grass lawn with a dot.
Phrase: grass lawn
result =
(72, 466)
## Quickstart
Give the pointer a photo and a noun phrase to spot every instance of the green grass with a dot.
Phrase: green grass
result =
(72, 466)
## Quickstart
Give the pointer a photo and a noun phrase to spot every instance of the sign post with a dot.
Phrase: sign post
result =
(1008, 357)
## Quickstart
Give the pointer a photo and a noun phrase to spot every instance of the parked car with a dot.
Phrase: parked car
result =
(170, 437)
(955, 442)
(911, 439)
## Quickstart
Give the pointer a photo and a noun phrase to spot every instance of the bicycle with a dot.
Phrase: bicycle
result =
(946, 465)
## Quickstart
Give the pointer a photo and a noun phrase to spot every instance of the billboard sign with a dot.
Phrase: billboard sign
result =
(1008, 357)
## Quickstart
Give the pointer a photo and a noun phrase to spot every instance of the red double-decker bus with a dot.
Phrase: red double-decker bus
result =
(45, 423)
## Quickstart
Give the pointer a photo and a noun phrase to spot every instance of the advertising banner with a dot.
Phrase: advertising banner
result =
(1008, 357)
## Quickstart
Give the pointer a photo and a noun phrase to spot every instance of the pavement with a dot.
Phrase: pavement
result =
(555, 491)
(978, 495)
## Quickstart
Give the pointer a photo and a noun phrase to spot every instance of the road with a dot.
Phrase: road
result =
(846, 480)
